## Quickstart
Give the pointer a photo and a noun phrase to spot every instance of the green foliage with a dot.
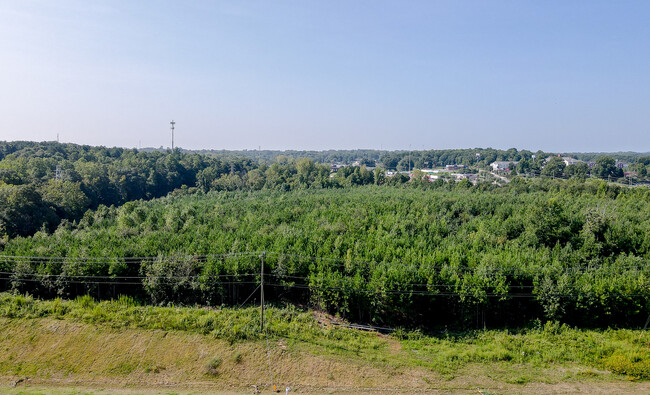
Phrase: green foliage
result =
(23, 211)
(88, 177)
(224, 323)
(31, 197)
(606, 167)
(66, 197)
(634, 366)
(620, 351)
(577, 170)
(554, 167)
(549, 249)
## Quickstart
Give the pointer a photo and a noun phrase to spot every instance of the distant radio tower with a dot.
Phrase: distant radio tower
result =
(172, 123)
(57, 173)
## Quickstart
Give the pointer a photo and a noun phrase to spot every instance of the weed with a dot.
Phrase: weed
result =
(126, 301)
(237, 358)
(518, 380)
(123, 368)
(85, 301)
(154, 369)
(211, 368)
(588, 373)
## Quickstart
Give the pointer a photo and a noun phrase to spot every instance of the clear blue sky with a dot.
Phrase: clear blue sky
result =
(551, 75)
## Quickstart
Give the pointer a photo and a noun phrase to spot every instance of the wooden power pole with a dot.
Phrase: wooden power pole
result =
(262, 292)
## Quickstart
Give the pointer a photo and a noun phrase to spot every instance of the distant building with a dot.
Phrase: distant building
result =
(471, 177)
(567, 160)
(571, 161)
(454, 167)
(502, 165)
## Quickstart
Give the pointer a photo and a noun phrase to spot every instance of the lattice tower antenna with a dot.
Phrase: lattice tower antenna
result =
(172, 123)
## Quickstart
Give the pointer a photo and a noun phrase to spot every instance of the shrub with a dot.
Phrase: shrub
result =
(632, 366)
(212, 366)
(126, 301)
(85, 301)
(237, 358)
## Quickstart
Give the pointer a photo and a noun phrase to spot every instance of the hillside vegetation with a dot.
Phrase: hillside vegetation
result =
(121, 344)
(442, 254)
(45, 184)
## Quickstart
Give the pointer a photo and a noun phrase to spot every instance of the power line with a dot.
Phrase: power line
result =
(350, 265)
(17, 277)
(389, 287)
(44, 275)
(127, 259)
(13, 279)
(434, 293)
(343, 262)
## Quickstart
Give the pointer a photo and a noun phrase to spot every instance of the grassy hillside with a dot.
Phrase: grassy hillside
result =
(120, 345)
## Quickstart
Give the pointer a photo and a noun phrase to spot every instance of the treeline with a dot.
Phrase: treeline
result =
(270, 156)
(390, 160)
(43, 184)
(399, 160)
(432, 255)
(605, 167)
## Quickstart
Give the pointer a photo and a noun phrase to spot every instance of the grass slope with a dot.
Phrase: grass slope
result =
(126, 347)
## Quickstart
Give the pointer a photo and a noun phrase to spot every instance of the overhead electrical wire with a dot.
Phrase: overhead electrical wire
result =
(390, 287)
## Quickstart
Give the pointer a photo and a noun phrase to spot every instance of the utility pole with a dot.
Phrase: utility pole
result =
(173, 123)
(262, 292)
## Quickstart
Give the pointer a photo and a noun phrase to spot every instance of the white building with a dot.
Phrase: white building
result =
(502, 165)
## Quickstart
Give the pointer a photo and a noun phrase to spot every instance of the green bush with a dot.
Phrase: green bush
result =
(634, 366)
(211, 368)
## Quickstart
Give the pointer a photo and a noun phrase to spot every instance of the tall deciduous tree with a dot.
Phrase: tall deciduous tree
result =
(554, 167)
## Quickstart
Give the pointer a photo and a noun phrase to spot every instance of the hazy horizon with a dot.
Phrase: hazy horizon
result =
(341, 149)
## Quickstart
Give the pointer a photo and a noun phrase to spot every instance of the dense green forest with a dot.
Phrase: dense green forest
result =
(35, 195)
(178, 227)
(43, 184)
(427, 254)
